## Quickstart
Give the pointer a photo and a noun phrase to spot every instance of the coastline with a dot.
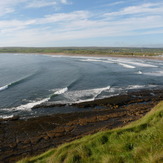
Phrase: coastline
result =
(28, 137)
(105, 55)
(20, 138)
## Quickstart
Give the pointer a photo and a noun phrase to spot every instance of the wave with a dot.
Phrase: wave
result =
(15, 83)
(156, 73)
(109, 61)
(126, 65)
(138, 63)
(96, 60)
(58, 92)
(122, 62)
(142, 64)
(140, 86)
(61, 91)
(30, 105)
(139, 72)
(83, 95)
(6, 116)
(3, 88)
(74, 83)
(86, 100)
(136, 86)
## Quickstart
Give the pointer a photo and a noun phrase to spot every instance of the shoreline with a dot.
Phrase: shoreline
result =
(154, 57)
(23, 138)
(20, 138)
(105, 55)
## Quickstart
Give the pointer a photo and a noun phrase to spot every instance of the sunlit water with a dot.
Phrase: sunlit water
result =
(27, 80)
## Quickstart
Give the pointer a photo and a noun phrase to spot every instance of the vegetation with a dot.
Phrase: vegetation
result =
(138, 142)
(86, 50)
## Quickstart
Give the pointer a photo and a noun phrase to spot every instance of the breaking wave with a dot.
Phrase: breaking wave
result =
(126, 65)
(61, 91)
(30, 105)
(157, 73)
(6, 116)
(83, 95)
(122, 62)
(3, 88)
(15, 82)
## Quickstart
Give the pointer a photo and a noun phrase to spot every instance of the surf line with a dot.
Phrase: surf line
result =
(32, 104)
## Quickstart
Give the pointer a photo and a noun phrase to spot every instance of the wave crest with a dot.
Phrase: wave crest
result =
(15, 82)
(61, 91)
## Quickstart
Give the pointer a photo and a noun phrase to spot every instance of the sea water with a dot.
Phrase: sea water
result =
(27, 80)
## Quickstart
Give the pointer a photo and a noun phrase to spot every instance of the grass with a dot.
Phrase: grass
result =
(138, 142)
(86, 50)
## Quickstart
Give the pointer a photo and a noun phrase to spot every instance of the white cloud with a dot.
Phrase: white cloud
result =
(64, 1)
(9, 6)
(6, 7)
(41, 3)
(81, 25)
(148, 8)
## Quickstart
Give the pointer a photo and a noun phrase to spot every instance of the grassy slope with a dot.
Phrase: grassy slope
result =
(140, 141)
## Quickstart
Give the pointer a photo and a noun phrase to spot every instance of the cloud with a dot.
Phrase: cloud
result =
(114, 3)
(10, 6)
(6, 6)
(146, 19)
(41, 3)
(45, 3)
(144, 9)
(64, 1)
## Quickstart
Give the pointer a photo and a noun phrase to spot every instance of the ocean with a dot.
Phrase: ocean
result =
(27, 80)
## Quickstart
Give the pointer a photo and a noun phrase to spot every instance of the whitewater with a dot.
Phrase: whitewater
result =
(27, 81)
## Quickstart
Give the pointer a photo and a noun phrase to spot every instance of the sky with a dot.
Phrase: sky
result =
(62, 23)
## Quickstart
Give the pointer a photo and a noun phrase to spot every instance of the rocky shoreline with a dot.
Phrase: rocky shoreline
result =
(21, 138)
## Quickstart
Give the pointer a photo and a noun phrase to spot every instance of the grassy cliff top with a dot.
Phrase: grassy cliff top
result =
(138, 142)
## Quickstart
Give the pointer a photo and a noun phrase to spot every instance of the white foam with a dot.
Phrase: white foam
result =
(6, 116)
(96, 60)
(88, 95)
(12, 83)
(131, 62)
(135, 86)
(126, 65)
(156, 73)
(142, 64)
(61, 91)
(123, 62)
(3, 88)
(140, 86)
(86, 100)
(139, 72)
(28, 106)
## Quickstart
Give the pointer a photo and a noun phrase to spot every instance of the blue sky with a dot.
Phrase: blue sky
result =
(54, 23)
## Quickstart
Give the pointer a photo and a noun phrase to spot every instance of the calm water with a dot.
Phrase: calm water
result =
(27, 80)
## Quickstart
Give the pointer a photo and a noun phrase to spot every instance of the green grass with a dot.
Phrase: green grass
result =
(86, 50)
(138, 142)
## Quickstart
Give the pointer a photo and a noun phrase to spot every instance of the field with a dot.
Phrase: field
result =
(138, 142)
(87, 50)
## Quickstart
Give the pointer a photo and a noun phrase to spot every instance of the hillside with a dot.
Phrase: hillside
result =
(140, 141)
